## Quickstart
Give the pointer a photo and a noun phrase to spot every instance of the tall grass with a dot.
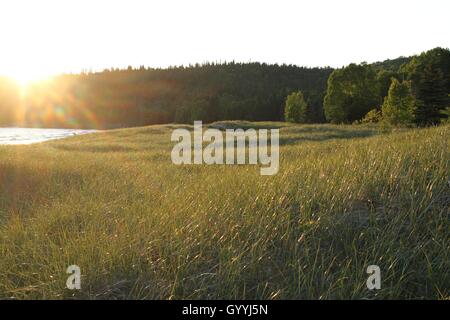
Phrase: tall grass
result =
(140, 227)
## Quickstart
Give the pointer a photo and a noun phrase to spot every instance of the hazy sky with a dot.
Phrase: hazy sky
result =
(40, 37)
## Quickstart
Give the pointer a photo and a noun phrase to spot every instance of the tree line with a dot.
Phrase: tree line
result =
(143, 96)
(412, 91)
(407, 90)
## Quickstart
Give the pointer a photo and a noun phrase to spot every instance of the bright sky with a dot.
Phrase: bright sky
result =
(42, 37)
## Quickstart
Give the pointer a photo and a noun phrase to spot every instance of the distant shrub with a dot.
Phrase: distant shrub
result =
(296, 108)
(373, 116)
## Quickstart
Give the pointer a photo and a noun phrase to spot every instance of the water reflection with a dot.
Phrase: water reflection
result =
(13, 136)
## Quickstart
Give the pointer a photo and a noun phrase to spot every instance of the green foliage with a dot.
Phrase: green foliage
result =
(373, 116)
(384, 79)
(400, 105)
(430, 76)
(391, 65)
(446, 115)
(432, 93)
(230, 91)
(137, 97)
(199, 109)
(296, 109)
(352, 92)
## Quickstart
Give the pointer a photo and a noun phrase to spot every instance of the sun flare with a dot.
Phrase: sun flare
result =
(26, 77)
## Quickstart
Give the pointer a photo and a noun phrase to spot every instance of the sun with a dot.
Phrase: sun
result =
(28, 72)
(24, 78)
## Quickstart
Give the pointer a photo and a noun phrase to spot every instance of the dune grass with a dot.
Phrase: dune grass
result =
(141, 227)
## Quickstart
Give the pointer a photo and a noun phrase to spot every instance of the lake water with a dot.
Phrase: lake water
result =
(12, 136)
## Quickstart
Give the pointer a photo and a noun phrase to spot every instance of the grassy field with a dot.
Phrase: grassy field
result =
(141, 227)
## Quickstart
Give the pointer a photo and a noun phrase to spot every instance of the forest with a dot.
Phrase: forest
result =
(234, 91)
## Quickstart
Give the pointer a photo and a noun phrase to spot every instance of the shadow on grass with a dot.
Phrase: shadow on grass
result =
(223, 125)
(24, 186)
(318, 134)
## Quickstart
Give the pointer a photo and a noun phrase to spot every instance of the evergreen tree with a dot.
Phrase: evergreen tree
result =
(430, 76)
(399, 105)
(433, 96)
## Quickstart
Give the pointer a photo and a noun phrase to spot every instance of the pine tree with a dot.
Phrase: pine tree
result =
(399, 105)
(430, 76)
(432, 94)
